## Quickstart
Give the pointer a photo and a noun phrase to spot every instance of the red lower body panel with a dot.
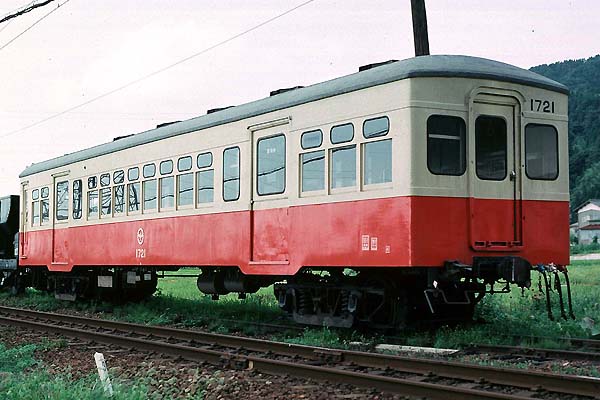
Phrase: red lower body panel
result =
(393, 232)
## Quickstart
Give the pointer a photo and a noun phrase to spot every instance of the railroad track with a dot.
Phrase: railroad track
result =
(433, 379)
(531, 352)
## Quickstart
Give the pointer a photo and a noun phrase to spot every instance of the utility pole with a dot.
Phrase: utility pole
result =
(419, 18)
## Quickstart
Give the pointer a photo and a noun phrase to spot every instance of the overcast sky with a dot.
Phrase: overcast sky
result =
(88, 48)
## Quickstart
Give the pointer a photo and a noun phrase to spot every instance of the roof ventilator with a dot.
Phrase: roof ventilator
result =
(279, 91)
(375, 65)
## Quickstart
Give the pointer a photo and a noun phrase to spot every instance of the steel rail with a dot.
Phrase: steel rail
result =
(502, 376)
(534, 352)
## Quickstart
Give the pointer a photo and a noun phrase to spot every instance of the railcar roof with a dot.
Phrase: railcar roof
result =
(425, 66)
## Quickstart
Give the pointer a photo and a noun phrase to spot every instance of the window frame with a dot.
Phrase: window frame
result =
(557, 152)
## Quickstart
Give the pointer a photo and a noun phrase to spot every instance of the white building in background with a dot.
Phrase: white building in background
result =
(588, 221)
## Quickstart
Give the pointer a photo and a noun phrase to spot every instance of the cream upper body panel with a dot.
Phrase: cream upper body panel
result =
(462, 98)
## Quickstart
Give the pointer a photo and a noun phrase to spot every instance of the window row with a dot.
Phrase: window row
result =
(137, 195)
(376, 162)
(447, 154)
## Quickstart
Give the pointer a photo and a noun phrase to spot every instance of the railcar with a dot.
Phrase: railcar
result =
(405, 191)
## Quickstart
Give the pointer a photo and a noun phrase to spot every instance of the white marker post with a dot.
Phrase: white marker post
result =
(103, 372)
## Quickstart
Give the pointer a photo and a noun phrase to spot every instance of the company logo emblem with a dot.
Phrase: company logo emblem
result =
(140, 236)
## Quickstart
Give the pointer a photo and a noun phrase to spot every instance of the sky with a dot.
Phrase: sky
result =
(85, 49)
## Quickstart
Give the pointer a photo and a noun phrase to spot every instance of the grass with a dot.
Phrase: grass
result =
(585, 248)
(178, 302)
(23, 377)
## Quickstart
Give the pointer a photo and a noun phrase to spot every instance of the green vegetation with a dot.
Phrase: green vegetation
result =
(585, 248)
(23, 377)
(178, 302)
(583, 79)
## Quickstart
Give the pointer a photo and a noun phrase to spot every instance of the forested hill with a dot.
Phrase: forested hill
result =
(582, 77)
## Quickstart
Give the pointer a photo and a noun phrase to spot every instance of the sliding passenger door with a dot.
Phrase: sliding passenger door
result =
(269, 221)
(24, 225)
(60, 219)
(495, 174)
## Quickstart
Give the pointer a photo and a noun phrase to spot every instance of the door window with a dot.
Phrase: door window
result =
(490, 148)
(270, 165)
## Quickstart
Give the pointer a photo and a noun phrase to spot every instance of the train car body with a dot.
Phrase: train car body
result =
(413, 176)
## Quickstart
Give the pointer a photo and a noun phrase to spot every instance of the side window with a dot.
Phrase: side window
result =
(77, 197)
(205, 179)
(490, 148)
(270, 165)
(204, 160)
(45, 205)
(541, 152)
(376, 127)
(104, 179)
(313, 170)
(166, 167)
(377, 154)
(185, 189)
(343, 167)
(149, 188)
(149, 170)
(92, 204)
(231, 174)
(35, 207)
(105, 202)
(184, 164)
(119, 192)
(133, 174)
(167, 192)
(133, 190)
(342, 160)
(377, 162)
(446, 145)
(92, 182)
(134, 197)
(311, 139)
(35, 212)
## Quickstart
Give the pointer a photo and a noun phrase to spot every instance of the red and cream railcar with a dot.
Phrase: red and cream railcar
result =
(403, 188)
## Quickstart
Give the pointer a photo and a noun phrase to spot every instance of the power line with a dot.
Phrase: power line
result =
(32, 25)
(158, 71)
(24, 10)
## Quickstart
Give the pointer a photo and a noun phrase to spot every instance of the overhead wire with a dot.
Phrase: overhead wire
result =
(24, 10)
(5, 45)
(160, 70)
